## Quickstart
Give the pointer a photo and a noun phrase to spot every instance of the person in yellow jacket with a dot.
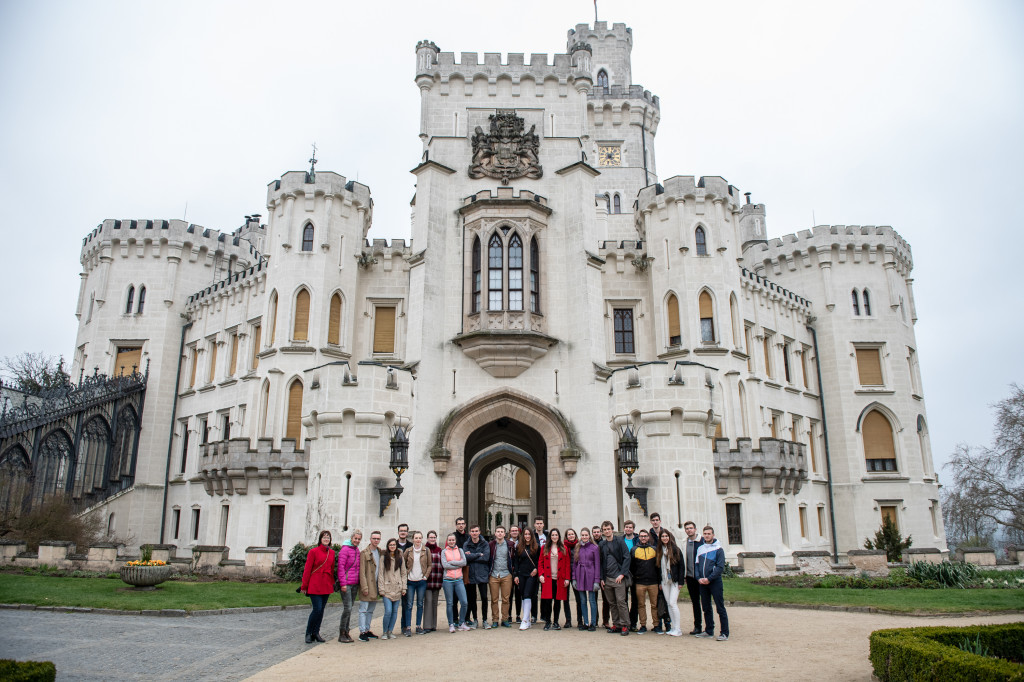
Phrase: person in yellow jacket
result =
(646, 577)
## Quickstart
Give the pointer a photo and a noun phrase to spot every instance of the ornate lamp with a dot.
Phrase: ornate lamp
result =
(629, 462)
(399, 465)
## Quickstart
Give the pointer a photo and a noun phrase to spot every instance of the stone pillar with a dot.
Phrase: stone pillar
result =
(757, 564)
(260, 561)
(54, 552)
(871, 561)
(930, 555)
(207, 558)
(10, 549)
(164, 552)
(979, 556)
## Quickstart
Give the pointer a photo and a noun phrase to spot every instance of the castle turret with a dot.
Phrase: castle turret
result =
(611, 50)
(752, 229)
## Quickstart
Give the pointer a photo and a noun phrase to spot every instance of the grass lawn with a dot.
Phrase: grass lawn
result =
(110, 593)
(901, 600)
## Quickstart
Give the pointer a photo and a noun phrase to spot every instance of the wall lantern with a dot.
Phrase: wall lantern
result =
(399, 464)
(629, 462)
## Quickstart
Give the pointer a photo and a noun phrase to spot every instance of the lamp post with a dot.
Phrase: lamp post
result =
(399, 464)
(629, 462)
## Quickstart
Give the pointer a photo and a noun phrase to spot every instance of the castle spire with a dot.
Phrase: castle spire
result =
(311, 176)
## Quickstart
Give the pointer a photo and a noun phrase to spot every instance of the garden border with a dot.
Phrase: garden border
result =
(921, 654)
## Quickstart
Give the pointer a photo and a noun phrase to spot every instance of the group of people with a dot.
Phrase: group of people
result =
(633, 572)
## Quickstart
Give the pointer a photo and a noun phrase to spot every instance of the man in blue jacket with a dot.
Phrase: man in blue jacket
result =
(710, 564)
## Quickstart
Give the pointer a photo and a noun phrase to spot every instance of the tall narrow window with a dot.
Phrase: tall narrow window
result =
(767, 342)
(617, 203)
(334, 321)
(384, 330)
(515, 273)
(224, 524)
(475, 302)
(803, 522)
(195, 524)
(175, 522)
(623, 319)
(889, 513)
(702, 241)
(734, 523)
(142, 300)
(803, 365)
(307, 237)
(879, 447)
(300, 330)
(602, 79)
(193, 361)
(273, 318)
(213, 361)
(821, 521)
(856, 302)
(131, 301)
(812, 446)
(225, 427)
(184, 448)
(867, 302)
(234, 354)
(495, 258)
(748, 334)
(784, 524)
(675, 336)
(869, 366)
(707, 318)
(534, 276)
(785, 362)
(257, 334)
(293, 429)
(275, 526)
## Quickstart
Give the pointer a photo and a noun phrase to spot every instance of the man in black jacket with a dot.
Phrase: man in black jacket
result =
(615, 576)
(689, 549)
(478, 563)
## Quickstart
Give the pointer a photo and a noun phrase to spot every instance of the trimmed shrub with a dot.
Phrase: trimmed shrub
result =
(947, 574)
(27, 671)
(292, 570)
(933, 653)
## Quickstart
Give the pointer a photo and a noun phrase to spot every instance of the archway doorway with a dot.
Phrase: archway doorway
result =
(505, 452)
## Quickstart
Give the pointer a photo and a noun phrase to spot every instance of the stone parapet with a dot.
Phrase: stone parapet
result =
(757, 564)
(979, 556)
(208, 558)
(816, 562)
(55, 552)
(780, 465)
(931, 555)
(10, 549)
(871, 561)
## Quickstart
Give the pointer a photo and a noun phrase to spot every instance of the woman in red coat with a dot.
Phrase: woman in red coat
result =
(553, 573)
(318, 583)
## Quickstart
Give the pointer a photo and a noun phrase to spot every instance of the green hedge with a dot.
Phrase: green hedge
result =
(933, 653)
(27, 671)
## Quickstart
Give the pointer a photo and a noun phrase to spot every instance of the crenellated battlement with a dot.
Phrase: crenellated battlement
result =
(871, 241)
(504, 193)
(688, 187)
(396, 248)
(600, 31)
(763, 285)
(251, 273)
(469, 66)
(631, 92)
(325, 183)
(124, 231)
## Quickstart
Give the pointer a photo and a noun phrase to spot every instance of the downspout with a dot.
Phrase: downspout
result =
(170, 435)
(462, 306)
(828, 459)
(643, 143)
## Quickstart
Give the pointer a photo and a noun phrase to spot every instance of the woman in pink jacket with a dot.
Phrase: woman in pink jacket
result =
(348, 577)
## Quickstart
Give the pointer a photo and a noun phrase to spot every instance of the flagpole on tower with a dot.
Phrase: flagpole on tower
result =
(595, 11)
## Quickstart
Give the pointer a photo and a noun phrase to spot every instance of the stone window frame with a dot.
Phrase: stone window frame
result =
(370, 310)
(636, 306)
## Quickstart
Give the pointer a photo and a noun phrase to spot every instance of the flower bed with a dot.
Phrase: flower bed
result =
(937, 653)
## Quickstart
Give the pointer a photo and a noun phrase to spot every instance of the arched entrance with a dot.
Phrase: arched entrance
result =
(494, 445)
(501, 428)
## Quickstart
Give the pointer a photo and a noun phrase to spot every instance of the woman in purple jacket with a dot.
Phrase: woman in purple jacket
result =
(586, 573)
(348, 576)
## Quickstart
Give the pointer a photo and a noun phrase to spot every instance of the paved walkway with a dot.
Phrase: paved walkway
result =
(766, 643)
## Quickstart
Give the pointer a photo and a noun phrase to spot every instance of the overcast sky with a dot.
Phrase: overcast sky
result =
(907, 114)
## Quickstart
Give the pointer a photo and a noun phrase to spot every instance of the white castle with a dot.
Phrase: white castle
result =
(558, 300)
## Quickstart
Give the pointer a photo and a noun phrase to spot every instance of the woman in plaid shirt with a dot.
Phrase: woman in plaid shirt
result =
(433, 584)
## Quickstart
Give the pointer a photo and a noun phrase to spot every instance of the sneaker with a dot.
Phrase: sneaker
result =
(613, 631)
(464, 628)
(556, 626)
(657, 630)
(723, 638)
(506, 623)
(471, 624)
(519, 619)
(642, 630)
(705, 635)
(487, 626)
(675, 633)
(592, 628)
(451, 628)
(625, 631)
(407, 632)
(369, 633)
(363, 637)
(696, 631)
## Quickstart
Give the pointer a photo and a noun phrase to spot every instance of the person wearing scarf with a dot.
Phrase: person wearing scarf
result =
(434, 583)
(709, 568)
(571, 540)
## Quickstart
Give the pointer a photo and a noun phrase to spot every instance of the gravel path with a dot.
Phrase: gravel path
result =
(767, 643)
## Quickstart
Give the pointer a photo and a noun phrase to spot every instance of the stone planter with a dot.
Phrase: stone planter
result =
(145, 577)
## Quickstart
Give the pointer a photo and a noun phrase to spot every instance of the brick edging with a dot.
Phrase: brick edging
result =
(162, 613)
(873, 609)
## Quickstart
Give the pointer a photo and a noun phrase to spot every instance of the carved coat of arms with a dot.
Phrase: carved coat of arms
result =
(506, 152)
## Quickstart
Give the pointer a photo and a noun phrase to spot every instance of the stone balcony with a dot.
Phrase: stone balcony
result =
(227, 467)
(780, 465)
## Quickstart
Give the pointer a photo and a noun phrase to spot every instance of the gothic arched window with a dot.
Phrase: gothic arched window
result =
(131, 301)
(122, 455)
(701, 240)
(293, 428)
(307, 237)
(52, 467)
(475, 302)
(534, 276)
(617, 203)
(879, 446)
(675, 336)
(707, 317)
(142, 300)
(495, 262)
(856, 302)
(15, 477)
(515, 273)
(92, 457)
(334, 321)
(602, 79)
(867, 303)
(300, 328)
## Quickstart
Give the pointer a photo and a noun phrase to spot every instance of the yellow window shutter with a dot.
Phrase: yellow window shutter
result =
(718, 430)
(234, 353)
(213, 362)
(384, 330)
(673, 318)
(889, 512)
(294, 426)
(301, 330)
(878, 443)
(814, 452)
(706, 309)
(334, 324)
(194, 361)
(128, 360)
(257, 334)
(869, 366)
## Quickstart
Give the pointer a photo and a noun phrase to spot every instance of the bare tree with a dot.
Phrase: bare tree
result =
(963, 520)
(34, 372)
(993, 477)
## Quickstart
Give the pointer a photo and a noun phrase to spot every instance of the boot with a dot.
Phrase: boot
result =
(344, 637)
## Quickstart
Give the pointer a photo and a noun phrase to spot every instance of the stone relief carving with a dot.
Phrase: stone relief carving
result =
(506, 152)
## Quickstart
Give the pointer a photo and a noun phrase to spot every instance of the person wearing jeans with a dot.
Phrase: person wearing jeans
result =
(478, 559)
(643, 565)
(453, 560)
(435, 581)
(348, 577)
(586, 574)
(709, 568)
(615, 577)
(391, 583)
(318, 583)
(369, 569)
(418, 564)
(689, 549)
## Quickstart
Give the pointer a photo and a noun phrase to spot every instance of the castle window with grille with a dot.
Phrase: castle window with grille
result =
(734, 523)
(623, 319)
(702, 241)
(307, 237)
(879, 446)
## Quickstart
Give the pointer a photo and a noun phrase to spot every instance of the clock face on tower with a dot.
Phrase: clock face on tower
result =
(609, 156)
